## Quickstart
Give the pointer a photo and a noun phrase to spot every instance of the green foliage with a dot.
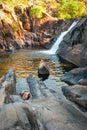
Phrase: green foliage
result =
(71, 8)
(36, 11)
(56, 8)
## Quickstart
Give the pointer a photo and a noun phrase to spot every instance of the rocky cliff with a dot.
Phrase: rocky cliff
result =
(19, 29)
(73, 48)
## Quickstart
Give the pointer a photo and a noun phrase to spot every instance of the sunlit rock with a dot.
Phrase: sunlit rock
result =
(25, 95)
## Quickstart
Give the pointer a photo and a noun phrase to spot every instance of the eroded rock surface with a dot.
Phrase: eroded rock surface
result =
(73, 48)
(77, 89)
(43, 111)
(76, 76)
(7, 86)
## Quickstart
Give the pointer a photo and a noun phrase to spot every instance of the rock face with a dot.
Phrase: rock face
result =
(73, 48)
(25, 31)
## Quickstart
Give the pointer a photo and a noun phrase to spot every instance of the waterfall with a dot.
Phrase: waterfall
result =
(59, 39)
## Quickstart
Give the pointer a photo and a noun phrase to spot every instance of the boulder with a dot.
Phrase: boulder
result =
(75, 76)
(43, 70)
(73, 48)
(76, 94)
(82, 82)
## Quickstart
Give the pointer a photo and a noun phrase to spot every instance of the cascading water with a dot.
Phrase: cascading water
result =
(59, 39)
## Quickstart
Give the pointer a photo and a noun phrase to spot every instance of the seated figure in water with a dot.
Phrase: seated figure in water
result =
(43, 70)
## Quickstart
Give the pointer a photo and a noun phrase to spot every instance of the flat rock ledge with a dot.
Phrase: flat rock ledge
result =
(76, 92)
(43, 111)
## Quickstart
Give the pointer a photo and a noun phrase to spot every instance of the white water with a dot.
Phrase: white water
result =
(59, 39)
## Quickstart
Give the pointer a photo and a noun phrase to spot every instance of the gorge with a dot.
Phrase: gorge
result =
(60, 101)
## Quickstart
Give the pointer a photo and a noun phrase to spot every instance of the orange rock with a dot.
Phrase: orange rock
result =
(25, 94)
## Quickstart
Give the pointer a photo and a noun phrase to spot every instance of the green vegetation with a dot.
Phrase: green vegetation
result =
(71, 8)
(56, 8)
(36, 11)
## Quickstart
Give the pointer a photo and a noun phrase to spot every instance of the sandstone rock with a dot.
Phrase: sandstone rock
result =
(1, 5)
(25, 22)
(18, 10)
(25, 95)
(74, 76)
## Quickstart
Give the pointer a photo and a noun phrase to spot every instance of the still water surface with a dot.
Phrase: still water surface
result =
(26, 62)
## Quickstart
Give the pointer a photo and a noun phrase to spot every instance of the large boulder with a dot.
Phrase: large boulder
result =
(76, 76)
(73, 48)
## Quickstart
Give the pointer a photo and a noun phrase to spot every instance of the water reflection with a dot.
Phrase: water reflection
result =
(26, 62)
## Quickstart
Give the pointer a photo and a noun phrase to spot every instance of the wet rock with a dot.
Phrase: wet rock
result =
(43, 70)
(75, 76)
(73, 48)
